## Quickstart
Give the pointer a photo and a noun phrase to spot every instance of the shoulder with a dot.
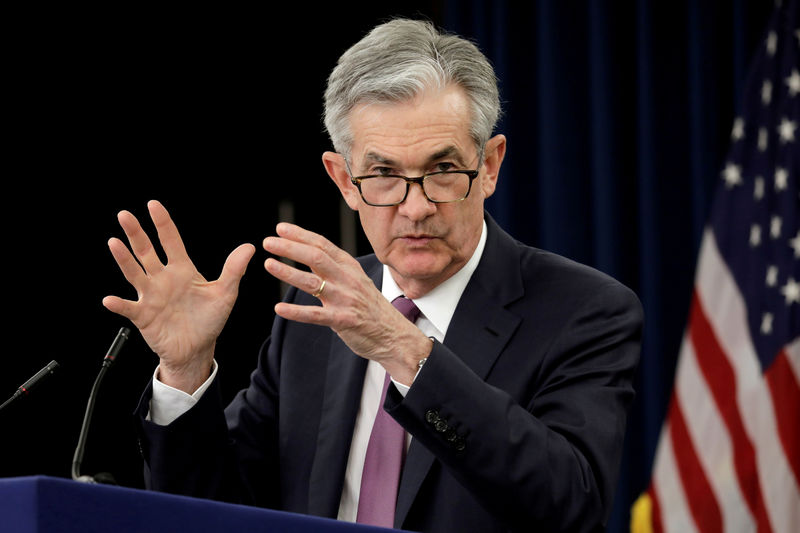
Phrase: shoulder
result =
(547, 269)
(544, 276)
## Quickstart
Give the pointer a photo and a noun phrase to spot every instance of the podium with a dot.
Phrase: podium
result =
(43, 504)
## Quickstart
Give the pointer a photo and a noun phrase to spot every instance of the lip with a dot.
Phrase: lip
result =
(417, 240)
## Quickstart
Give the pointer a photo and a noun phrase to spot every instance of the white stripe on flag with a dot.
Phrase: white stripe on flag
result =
(675, 514)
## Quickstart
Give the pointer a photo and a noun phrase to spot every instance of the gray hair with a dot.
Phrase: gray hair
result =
(398, 60)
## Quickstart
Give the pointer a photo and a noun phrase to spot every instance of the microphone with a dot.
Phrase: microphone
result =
(25, 388)
(108, 360)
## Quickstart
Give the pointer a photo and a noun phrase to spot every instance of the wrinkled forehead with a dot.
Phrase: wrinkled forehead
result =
(431, 126)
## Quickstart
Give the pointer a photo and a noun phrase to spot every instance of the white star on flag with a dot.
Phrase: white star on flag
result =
(766, 92)
(732, 175)
(766, 323)
(793, 82)
(786, 130)
(775, 227)
(795, 243)
(755, 235)
(772, 43)
(758, 188)
(791, 291)
(763, 139)
(781, 179)
(738, 129)
(772, 276)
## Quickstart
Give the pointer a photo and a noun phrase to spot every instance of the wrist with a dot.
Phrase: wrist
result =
(187, 377)
(408, 359)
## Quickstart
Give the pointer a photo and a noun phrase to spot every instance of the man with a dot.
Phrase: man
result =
(511, 384)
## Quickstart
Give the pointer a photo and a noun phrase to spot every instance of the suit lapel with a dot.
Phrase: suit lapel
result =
(479, 330)
(344, 382)
(481, 325)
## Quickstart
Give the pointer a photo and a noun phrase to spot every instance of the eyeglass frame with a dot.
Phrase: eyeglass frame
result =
(471, 174)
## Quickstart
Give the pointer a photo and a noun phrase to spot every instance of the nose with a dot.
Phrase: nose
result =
(416, 206)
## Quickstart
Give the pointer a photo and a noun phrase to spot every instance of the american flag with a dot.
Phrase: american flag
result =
(728, 458)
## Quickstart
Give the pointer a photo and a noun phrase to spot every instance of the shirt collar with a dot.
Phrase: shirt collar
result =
(439, 304)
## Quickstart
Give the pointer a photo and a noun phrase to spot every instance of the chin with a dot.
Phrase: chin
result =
(419, 268)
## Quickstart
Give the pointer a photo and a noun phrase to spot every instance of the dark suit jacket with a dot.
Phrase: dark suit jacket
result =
(517, 417)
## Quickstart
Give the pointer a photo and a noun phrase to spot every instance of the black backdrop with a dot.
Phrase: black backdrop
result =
(214, 111)
(617, 117)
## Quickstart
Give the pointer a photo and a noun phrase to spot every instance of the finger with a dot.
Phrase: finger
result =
(140, 243)
(320, 262)
(125, 308)
(308, 314)
(127, 264)
(317, 260)
(305, 281)
(298, 234)
(168, 233)
(235, 267)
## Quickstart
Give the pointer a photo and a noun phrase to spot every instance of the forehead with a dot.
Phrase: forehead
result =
(409, 133)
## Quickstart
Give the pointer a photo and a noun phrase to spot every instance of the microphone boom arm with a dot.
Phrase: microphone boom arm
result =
(77, 459)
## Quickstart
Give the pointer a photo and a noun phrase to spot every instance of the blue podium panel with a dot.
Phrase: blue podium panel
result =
(52, 505)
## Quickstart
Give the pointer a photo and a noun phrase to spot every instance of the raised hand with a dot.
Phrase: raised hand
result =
(178, 312)
(351, 304)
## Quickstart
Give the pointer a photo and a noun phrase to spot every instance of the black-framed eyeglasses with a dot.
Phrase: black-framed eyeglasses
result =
(440, 187)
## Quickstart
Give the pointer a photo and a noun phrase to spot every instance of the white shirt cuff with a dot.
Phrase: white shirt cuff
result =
(168, 403)
(402, 389)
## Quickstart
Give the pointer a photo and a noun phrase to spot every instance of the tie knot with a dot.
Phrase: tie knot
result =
(407, 307)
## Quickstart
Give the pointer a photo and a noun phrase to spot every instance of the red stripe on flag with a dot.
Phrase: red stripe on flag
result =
(699, 495)
(721, 379)
(656, 516)
(786, 398)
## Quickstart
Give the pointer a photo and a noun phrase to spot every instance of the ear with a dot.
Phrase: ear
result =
(337, 170)
(492, 159)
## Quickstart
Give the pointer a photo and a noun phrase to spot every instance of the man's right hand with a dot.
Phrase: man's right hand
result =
(179, 313)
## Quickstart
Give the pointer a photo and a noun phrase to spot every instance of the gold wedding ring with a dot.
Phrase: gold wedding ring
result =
(319, 292)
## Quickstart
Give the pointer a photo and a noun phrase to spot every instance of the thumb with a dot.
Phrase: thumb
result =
(235, 266)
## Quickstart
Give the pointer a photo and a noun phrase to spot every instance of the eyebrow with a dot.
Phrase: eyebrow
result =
(448, 151)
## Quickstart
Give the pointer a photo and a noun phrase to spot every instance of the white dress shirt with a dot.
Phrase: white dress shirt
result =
(436, 307)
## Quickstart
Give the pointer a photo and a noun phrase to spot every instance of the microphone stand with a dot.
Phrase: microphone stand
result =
(25, 388)
(102, 477)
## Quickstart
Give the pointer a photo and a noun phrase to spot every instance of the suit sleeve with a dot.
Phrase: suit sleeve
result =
(548, 453)
(227, 454)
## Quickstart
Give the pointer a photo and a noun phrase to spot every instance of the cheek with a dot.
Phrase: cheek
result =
(376, 226)
(467, 224)
(472, 212)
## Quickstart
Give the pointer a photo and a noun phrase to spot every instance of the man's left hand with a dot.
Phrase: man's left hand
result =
(351, 304)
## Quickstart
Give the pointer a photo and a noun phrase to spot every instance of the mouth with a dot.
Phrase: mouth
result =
(417, 239)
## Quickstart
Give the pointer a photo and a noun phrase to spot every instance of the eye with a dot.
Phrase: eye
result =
(444, 166)
(382, 171)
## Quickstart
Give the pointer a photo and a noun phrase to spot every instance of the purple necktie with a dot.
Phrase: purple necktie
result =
(385, 453)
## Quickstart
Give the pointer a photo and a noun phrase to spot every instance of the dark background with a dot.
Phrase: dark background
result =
(618, 117)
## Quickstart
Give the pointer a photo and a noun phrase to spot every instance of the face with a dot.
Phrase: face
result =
(421, 242)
